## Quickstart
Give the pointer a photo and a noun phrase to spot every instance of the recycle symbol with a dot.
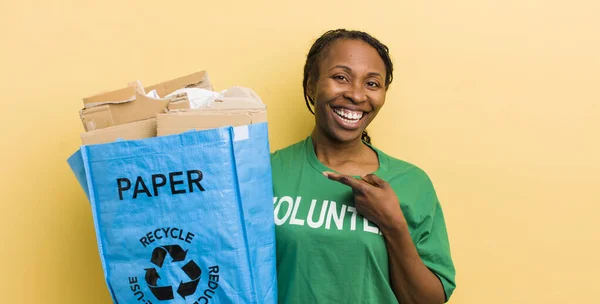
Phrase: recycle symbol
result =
(163, 293)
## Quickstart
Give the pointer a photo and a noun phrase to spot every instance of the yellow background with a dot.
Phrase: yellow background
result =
(498, 101)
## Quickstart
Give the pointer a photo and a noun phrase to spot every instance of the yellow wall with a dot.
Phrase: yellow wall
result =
(497, 100)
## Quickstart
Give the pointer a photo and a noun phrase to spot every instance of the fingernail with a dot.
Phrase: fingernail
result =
(325, 173)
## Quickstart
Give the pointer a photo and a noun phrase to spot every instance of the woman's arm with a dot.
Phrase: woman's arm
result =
(411, 280)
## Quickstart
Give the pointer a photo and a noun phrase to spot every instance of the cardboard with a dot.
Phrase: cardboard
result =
(130, 131)
(237, 104)
(105, 112)
(219, 104)
(117, 96)
(196, 80)
(203, 119)
(236, 97)
(236, 107)
(129, 113)
(132, 104)
(179, 105)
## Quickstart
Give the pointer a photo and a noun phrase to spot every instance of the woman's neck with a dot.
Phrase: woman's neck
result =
(352, 157)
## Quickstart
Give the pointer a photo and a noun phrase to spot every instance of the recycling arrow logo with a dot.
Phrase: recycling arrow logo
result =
(191, 269)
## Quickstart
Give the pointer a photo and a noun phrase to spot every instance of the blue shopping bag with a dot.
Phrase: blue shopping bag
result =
(184, 218)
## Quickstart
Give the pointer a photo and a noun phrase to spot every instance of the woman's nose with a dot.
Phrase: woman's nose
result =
(356, 93)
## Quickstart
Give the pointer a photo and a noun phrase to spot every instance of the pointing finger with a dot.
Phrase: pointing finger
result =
(346, 180)
(374, 180)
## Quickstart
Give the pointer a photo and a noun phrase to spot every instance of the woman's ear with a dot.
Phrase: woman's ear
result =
(310, 89)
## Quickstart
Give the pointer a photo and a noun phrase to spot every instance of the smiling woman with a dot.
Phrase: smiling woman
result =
(348, 90)
(315, 55)
(380, 234)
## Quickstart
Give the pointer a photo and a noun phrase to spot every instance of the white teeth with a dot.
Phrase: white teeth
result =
(349, 115)
(349, 121)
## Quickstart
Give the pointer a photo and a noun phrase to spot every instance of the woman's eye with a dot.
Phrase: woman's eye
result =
(340, 77)
(373, 84)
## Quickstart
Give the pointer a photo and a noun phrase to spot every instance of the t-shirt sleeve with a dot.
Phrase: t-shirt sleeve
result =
(431, 239)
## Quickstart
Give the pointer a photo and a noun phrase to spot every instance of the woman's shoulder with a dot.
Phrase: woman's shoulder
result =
(397, 167)
(289, 153)
(413, 186)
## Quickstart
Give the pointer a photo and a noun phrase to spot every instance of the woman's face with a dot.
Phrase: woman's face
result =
(350, 89)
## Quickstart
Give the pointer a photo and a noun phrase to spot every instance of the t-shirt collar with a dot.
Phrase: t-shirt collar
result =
(319, 166)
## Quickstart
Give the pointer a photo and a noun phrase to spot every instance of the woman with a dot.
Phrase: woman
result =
(354, 225)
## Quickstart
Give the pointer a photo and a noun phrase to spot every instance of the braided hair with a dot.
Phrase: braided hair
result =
(311, 70)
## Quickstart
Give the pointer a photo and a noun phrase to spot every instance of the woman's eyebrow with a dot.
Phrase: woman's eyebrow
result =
(374, 74)
(343, 67)
(348, 70)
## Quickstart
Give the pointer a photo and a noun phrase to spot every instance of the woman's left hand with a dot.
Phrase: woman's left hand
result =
(374, 199)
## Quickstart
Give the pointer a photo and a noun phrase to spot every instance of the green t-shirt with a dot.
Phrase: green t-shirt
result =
(326, 251)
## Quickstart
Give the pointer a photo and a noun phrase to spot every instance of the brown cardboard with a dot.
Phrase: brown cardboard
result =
(234, 98)
(117, 96)
(203, 119)
(237, 97)
(219, 104)
(109, 113)
(121, 95)
(196, 80)
(130, 131)
(179, 105)
(236, 104)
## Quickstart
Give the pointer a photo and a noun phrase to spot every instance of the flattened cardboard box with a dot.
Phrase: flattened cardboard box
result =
(111, 113)
(196, 80)
(124, 94)
(218, 104)
(130, 131)
(131, 103)
(203, 119)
